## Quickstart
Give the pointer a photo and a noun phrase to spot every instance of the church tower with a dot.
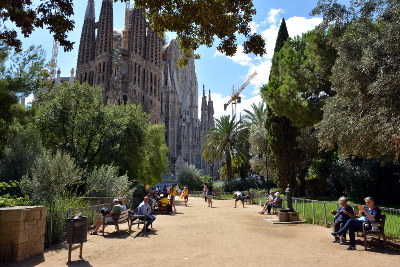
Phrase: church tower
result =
(87, 46)
(104, 48)
(138, 67)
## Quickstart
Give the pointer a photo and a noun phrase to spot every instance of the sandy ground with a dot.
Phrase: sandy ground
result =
(219, 236)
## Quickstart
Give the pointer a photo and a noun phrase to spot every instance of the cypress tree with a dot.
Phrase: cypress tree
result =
(281, 134)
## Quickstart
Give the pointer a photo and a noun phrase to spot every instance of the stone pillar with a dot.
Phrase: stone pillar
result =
(23, 228)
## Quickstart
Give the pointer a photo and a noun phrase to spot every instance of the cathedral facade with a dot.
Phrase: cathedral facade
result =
(139, 67)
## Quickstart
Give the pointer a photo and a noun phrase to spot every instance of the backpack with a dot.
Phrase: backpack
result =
(105, 211)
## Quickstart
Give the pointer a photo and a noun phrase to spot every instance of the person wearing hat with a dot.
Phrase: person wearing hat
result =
(110, 217)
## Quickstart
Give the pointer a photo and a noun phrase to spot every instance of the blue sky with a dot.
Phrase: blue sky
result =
(216, 71)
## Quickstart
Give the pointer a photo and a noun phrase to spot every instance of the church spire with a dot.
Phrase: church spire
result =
(90, 10)
(104, 42)
(87, 43)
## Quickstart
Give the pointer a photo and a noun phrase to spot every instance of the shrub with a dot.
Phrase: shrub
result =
(48, 178)
(190, 176)
(105, 182)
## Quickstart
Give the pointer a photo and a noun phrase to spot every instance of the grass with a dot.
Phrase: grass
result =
(321, 214)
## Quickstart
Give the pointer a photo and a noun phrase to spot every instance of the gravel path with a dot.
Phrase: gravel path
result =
(219, 236)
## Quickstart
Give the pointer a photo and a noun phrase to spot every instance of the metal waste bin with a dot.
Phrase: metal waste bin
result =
(76, 233)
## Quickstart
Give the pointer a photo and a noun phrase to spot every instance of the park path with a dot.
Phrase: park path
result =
(219, 236)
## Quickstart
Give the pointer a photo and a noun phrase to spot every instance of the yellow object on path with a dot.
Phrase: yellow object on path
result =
(184, 192)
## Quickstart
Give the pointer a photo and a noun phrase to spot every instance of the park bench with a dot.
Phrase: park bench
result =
(249, 200)
(137, 219)
(276, 207)
(123, 216)
(379, 232)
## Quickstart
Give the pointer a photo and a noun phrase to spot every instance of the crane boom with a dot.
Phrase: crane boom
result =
(235, 96)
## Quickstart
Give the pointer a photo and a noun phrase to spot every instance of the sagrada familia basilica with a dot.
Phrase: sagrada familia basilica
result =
(139, 67)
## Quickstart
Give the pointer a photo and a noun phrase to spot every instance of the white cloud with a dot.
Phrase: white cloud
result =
(273, 14)
(239, 58)
(295, 25)
(254, 27)
(299, 25)
(263, 70)
(269, 36)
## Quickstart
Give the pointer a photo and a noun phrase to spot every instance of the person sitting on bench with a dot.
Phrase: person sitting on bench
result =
(371, 213)
(268, 203)
(342, 215)
(110, 217)
(145, 209)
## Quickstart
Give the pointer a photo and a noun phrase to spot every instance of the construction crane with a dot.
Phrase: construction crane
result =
(53, 63)
(235, 99)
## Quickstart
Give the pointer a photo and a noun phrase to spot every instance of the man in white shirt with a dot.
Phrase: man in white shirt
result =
(145, 209)
(239, 196)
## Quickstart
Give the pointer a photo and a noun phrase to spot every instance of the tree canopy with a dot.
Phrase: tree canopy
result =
(362, 119)
(300, 81)
(226, 140)
(73, 119)
(196, 23)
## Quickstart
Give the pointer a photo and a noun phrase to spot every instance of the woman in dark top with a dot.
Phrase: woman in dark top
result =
(367, 214)
(342, 215)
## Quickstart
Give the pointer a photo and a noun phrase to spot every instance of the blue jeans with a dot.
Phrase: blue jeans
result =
(353, 225)
(149, 220)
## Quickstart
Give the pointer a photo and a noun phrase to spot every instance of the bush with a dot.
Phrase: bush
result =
(18, 156)
(362, 178)
(105, 182)
(190, 176)
(9, 201)
(48, 178)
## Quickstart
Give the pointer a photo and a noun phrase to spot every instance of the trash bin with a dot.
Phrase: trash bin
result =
(76, 233)
(77, 230)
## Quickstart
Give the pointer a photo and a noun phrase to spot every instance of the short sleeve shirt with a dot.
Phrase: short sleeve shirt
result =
(117, 211)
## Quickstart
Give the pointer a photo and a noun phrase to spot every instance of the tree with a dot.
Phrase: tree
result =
(189, 175)
(255, 121)
(257, 116)
(20, 154)
(281, 134)
(362, 119)
(226, 139)
(301, 80)
(27, 16)
(25, 74)
(156, 150)
(73, 119)
(199, 22)
(195, 22)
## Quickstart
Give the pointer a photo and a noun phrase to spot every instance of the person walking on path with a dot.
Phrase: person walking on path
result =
(210, 196)
(205, 189)
(172, 194)
(239, 196)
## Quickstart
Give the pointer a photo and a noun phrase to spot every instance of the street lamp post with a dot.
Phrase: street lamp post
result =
(266, 168)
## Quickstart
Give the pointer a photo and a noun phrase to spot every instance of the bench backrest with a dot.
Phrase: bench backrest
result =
(123, 215)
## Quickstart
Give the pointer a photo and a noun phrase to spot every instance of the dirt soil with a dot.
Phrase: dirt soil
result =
(197, 235)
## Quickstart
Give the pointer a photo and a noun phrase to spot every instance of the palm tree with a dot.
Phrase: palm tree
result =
(257, 116)
(226, 139)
